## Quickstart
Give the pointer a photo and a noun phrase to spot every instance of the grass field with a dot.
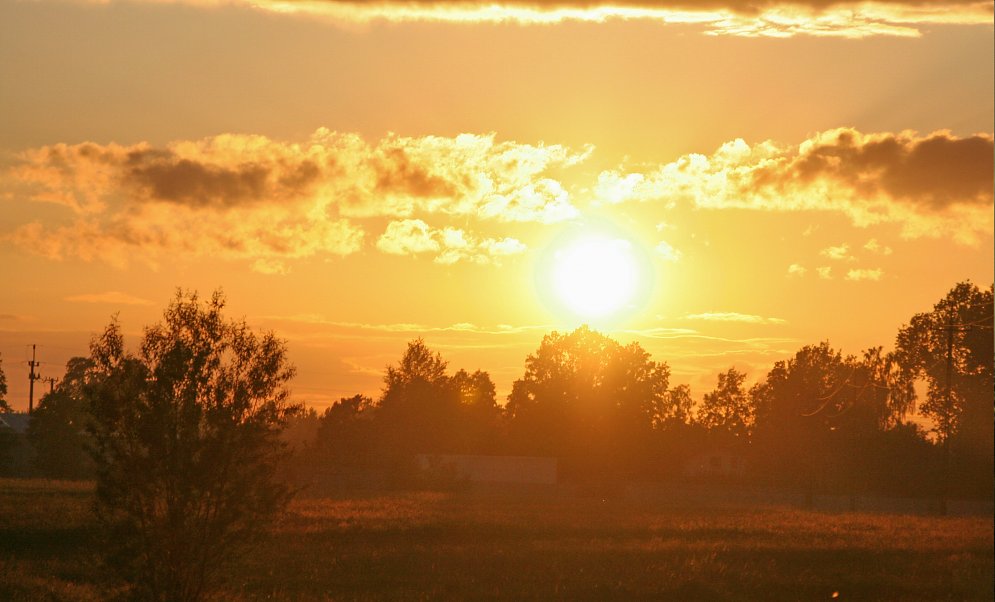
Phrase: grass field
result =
(531, 547)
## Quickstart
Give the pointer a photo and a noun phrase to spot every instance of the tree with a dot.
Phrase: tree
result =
(816, 412)
(344, 442)
(479, 413)
(674, 408)
(58, 426)
(589, 400)
(727, 408)
(419, 409)
(186, 444)
(4, 406)
(7, 438)
(951, 348)
(959, 327)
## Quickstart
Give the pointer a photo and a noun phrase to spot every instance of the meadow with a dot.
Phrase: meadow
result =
(531, 545)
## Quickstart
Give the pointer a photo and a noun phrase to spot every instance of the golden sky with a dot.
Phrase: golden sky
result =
(357, 174)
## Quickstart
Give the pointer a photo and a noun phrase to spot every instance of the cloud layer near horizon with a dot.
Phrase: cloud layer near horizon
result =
(250, 197)
(933, 185)
(244, 197)
(767, 18)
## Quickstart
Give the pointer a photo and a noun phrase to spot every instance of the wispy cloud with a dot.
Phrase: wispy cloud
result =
(109, 298)
(734, 317)
(732, 17)
(678, 344)
(411, 327)
(933, 185)
(661, 332)
(667, 252)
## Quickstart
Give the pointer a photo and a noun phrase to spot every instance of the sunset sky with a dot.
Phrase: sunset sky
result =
(759, 176)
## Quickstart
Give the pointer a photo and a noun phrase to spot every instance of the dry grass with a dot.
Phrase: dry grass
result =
(532, 547)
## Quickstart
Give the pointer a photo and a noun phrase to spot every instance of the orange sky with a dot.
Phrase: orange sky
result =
(354, 175)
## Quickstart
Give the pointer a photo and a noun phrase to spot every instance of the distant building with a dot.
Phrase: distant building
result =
(726, 463)
(492, 469)
(15, 451)
(15, 421)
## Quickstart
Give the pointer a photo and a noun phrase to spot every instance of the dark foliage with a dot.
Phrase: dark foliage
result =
(4, 406)
(186, 445)
(591, 402)
(58, 430)
(951, 348)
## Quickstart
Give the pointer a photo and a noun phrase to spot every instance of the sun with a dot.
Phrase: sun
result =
(595, 276)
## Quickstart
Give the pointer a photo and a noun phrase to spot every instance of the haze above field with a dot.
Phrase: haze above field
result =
(354, 179)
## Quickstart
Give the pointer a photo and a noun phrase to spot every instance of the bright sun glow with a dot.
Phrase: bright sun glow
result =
(595, 277)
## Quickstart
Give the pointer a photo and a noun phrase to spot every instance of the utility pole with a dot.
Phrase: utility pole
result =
(51, 383)
(32, 377)
(950, 404)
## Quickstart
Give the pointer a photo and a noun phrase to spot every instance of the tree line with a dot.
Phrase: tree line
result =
(819, 420)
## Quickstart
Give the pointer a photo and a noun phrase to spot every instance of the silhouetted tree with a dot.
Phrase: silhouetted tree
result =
(7, 438)
(4, 406)
(300, 436)
(817, 412)
(960, 401)
(59, 424)
(590, 401)
(727, 409)
(418, 411)
(186, 436)
(344, 443)
(674, 408)
(302, 429)
(480, 415)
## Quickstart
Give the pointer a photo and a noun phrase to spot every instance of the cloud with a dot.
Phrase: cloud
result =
(730, 17)
(450, 245)
(253, 198)
(875, 247)
(667, 252)
(825, 272)
(268, 203)
(410, 236)
(734, 317)
(661, 332)
(408, 328)
(465, 175)
(865, 274)
(270, 266)
(110, 298)
(934, 185)
(840, 252)
(796, 270)
(154, 235)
